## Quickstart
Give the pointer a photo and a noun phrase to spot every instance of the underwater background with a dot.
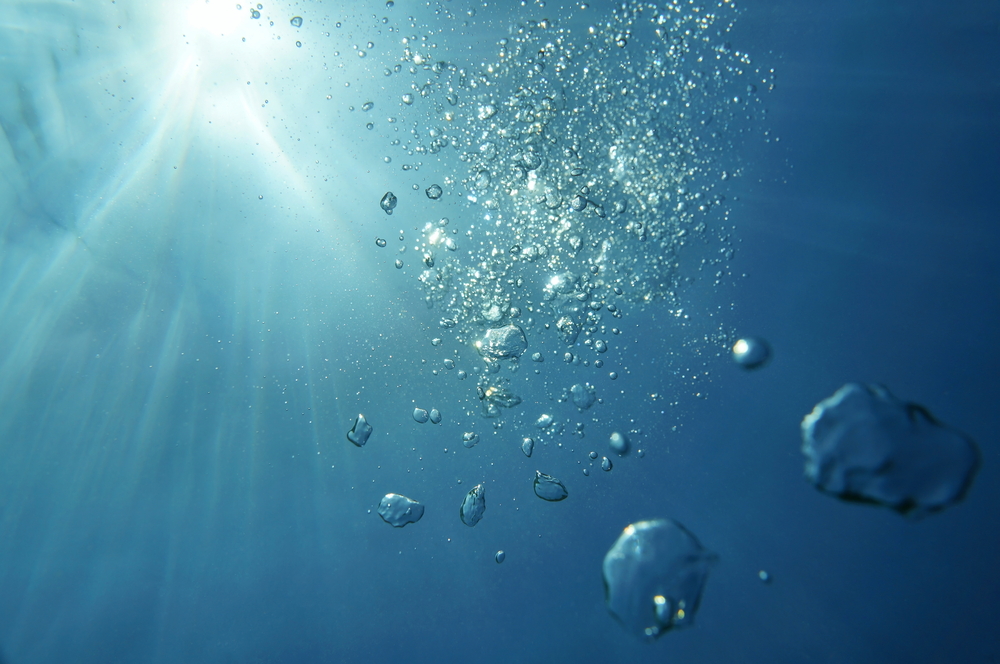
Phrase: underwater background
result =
(199, 294)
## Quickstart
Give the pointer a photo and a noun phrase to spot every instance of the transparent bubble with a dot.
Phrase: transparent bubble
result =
(619, 443)
(434, 192)
(398, 510)
(420, 416)
(503, 342)
(407, 99)
(388, 202)
(379, 242)
(298, 44)
(435, 416)
(473, 506)
(751, 352)
(500, 557)
(864, 445)
(584, 395)
(654, 575)
(606, 464)
(549, 488)
(544, 421)
(470, 438)
(367, 106)
(528, 446)
(296, 21)
(537, 357)
(399, 264)
(360, 432)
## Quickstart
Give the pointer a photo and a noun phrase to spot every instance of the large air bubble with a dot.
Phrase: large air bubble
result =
(863, 444)
(654, 576)
(397, 510)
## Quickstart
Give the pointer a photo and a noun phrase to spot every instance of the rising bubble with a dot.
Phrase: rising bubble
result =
(360, 431)
(473, 506)
(397, 510)
(864, 445)
(654, 576)
(549, 488)
(388, 202)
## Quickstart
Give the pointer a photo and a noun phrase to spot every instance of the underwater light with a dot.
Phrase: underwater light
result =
(215, 16)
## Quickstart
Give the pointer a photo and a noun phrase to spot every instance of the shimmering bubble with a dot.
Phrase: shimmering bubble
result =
(751, 352)
(593, 455)
(544, 421)
(388, 202)
(764, 576)
(379, 242)
(619, 443)
(435, 416)
(503, 342)
(254, 13)
(606, 464)
(601, 346)
(434, 192)
(864, 445)
(397, 510)
(399, 264)
(654, 576)
(360, 431)
(407, 99)
(584, 395)
(470, 438)
(296, 21)
(528, 446)
(473, 506)
(537, 357)
(462, 375)
(549, 488)
(367, 106)
(500, 557)
(420, 415)
(449, 363)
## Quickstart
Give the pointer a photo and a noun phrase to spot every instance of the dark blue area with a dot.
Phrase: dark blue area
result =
(220, 515)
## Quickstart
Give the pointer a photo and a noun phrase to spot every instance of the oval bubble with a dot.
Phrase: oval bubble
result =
(751, 352)
(473, 506)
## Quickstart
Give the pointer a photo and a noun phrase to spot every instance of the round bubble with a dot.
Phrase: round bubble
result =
(751, 352)
(500, 557)
(654, 575)
(420, 415)
(619, 443)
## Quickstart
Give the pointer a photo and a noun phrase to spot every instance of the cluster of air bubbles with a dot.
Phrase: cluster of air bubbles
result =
(584, 183)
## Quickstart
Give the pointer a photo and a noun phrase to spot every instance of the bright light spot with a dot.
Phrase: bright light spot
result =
(740, 347)
(215, 16)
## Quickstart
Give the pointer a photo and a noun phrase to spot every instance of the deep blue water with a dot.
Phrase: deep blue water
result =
(193, 311)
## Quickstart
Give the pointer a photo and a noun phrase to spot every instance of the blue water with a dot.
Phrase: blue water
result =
(193, 310)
